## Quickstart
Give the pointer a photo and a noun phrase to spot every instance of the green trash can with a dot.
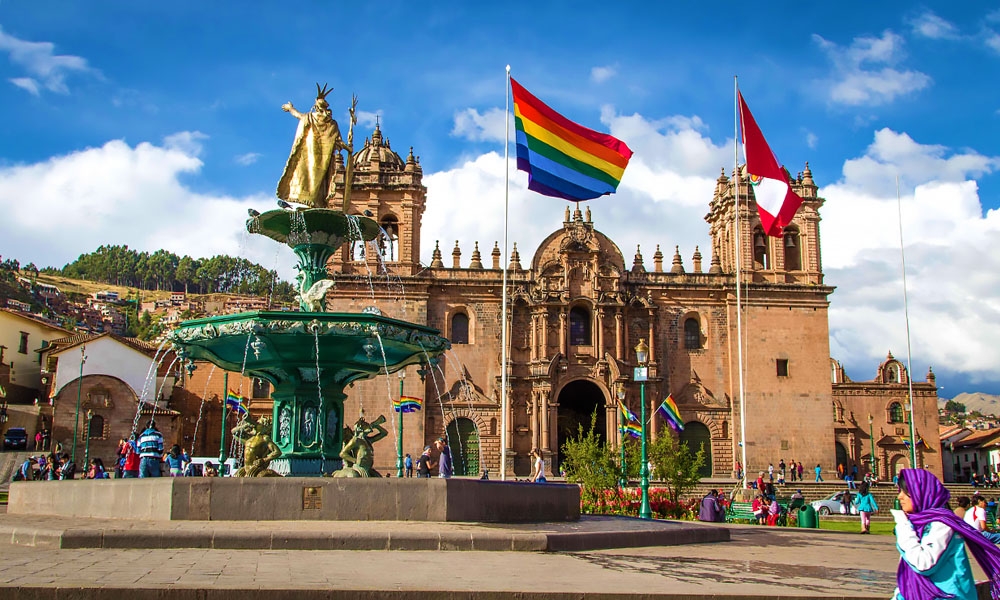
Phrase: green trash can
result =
(896, 505)
(808, 517)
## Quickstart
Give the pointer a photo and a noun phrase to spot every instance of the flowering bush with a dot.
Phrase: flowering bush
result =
(627, 501)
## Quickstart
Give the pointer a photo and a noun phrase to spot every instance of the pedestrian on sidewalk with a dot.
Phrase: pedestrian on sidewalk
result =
(150, 451)
(801, 470)
(131, 459)
(424, 464)
(932, 542)
(445, 467)
(408, 464)
(819, 473)
(866, 506)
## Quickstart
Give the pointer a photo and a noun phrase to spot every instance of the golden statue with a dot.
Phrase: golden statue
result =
(358, 453)
(311, 168)
(258, 449)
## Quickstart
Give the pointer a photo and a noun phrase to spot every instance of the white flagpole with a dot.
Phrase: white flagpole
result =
(503, 309)
(739, 267)
(906, 316)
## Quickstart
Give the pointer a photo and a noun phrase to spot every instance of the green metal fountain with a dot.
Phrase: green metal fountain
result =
(311, 356)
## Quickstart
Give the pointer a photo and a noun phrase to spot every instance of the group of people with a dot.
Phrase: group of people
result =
(52, 467)
(143, 456)
(426, 461)
(986, 480)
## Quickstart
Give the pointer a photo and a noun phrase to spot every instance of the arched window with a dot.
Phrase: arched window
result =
(579, 326)
(692, 334)
(761, 258)
(460, 328)
(793, 252)
(896, 413)
(388, 242)
(96, 428)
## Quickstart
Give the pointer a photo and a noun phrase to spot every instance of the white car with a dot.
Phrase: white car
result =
(831, 505)
(198, 465)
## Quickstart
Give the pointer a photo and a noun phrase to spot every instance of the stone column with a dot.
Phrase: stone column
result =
(535, 421)
(563, 333)
(619, 342)
(553, 416)
(543, 409)
(544, 355)
(534, 337)
(599, 334)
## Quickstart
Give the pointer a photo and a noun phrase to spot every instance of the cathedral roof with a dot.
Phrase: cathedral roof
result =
(379, 150)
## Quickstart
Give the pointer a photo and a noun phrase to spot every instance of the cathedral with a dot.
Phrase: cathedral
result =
(577, 310)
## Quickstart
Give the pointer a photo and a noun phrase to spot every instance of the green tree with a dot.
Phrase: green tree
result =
(954, 407)
(675, 465)
(589, 462)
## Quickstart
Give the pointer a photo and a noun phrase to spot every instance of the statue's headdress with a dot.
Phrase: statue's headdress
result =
(321, 93)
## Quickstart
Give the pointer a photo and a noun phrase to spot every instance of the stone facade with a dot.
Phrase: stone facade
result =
(576, 311)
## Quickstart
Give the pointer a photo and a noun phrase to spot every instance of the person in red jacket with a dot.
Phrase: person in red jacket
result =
(131, 466)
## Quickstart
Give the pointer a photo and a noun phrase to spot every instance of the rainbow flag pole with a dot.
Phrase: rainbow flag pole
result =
(668, 410)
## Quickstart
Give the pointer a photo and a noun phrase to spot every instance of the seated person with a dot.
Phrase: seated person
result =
(759, 508)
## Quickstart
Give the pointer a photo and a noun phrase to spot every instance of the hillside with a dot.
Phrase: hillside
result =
(987, 404)
(81, 286)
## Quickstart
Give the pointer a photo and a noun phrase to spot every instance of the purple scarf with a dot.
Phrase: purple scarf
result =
(929, 497)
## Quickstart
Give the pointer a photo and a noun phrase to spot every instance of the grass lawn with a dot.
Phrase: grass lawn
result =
(877, 528)
(3, 497)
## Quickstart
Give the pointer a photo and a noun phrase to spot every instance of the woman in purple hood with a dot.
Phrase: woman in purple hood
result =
(932, 541)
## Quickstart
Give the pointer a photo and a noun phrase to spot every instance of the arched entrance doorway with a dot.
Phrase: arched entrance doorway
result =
(841, 459)
(899, 463)
(695, 435)
(578, 401)
(463, 437)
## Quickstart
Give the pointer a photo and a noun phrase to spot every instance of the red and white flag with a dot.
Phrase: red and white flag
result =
(776, 202)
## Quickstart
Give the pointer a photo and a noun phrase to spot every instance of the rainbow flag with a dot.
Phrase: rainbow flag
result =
(668, 410)
(407, 404)
(632, 428)
(564, 159)
(235, 402)
(629, 415)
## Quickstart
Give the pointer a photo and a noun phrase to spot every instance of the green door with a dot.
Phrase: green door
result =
(696, 436)
(464, 441)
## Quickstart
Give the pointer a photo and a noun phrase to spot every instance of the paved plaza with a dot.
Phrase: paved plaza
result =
(758, 562)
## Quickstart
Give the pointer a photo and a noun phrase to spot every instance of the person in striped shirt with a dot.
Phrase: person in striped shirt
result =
(150, 451)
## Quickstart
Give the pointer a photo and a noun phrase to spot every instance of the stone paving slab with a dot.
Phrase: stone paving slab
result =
(758, 562)
(589, 533)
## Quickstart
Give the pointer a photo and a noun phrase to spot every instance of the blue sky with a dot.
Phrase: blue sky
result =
(159, 125)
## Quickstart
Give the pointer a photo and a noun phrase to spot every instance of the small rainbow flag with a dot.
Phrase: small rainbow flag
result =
(632, 428)
(629, 415)
(668, 410)
(407, 404)
(564, 159)
(235, 402)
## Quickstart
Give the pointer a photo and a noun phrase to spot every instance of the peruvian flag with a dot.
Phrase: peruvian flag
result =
(776, 202)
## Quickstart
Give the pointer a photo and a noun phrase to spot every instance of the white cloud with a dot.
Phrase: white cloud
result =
(119, 194)
(952, 259)
(602, 74)
(39, 61)
(247, 159)
(481, 127)
(811, 140)
(366, 120)
(931, 26)
(865, 73)
(992, 40)
(188, 142)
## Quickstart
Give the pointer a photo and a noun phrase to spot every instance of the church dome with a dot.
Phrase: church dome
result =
(379, 150)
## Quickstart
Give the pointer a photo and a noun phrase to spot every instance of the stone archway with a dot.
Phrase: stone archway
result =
(463, 438)
(696, 435)
(897, 463)
(842, 458)
(578, 401)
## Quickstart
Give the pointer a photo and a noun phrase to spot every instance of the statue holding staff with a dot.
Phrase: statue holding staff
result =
(309, 173)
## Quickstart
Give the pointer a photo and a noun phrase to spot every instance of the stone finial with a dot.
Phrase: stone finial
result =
(637, 261)
(807, 175)
(931, 378)
(889, 356)
(515, 259)
(456, 257)
(411, 162)
(496, 255)
(477, 262)
(696, 260)
(436, 262)
(340, 160)
(658, 260)
(716, 267)
(577, 214)
(677, 267)
(566, 218)
(589, 219)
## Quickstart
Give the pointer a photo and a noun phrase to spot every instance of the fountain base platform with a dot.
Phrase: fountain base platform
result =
(298, 499)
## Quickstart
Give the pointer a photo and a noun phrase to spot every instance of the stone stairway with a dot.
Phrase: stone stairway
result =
(885, 493)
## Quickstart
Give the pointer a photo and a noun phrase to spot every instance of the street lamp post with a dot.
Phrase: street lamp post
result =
(623, 480)
(79, 394)
(86, 452)
(871, 438)
(399, 425)
(641, 375)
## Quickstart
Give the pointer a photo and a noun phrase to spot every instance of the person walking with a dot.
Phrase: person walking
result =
(801, 468)
(424, 464)
(408, 465)
(150, 451)
(131, 459)
(791, 468)
(866, 506)
(932, 544)
(445, 467)
(819, 473)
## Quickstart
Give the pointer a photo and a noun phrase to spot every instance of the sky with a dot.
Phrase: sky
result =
(157, 125)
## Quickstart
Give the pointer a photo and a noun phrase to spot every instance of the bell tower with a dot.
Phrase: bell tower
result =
(389, 190)
(792, 258)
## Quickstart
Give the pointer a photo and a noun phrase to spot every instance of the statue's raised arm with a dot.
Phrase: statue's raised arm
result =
(308, 175)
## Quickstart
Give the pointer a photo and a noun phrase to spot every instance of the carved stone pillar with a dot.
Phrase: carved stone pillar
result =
(533, 355)
(563, 331)
(544, 355)
(599, 334)
(536, 417)
(619, 342)
(652, 335)
(553, 417)
(543, 413)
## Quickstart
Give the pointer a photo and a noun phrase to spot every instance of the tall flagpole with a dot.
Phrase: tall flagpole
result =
(739, 267)
(906, 315)
(503, 260)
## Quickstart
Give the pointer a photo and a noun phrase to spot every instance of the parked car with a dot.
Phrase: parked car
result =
(16, 438)
(198, 465)
(831, 504)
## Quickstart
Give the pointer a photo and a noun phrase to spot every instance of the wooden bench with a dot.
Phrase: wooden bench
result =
(743, 511)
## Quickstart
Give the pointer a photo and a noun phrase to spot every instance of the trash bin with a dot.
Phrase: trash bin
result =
(896, 505)
(808, 517)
